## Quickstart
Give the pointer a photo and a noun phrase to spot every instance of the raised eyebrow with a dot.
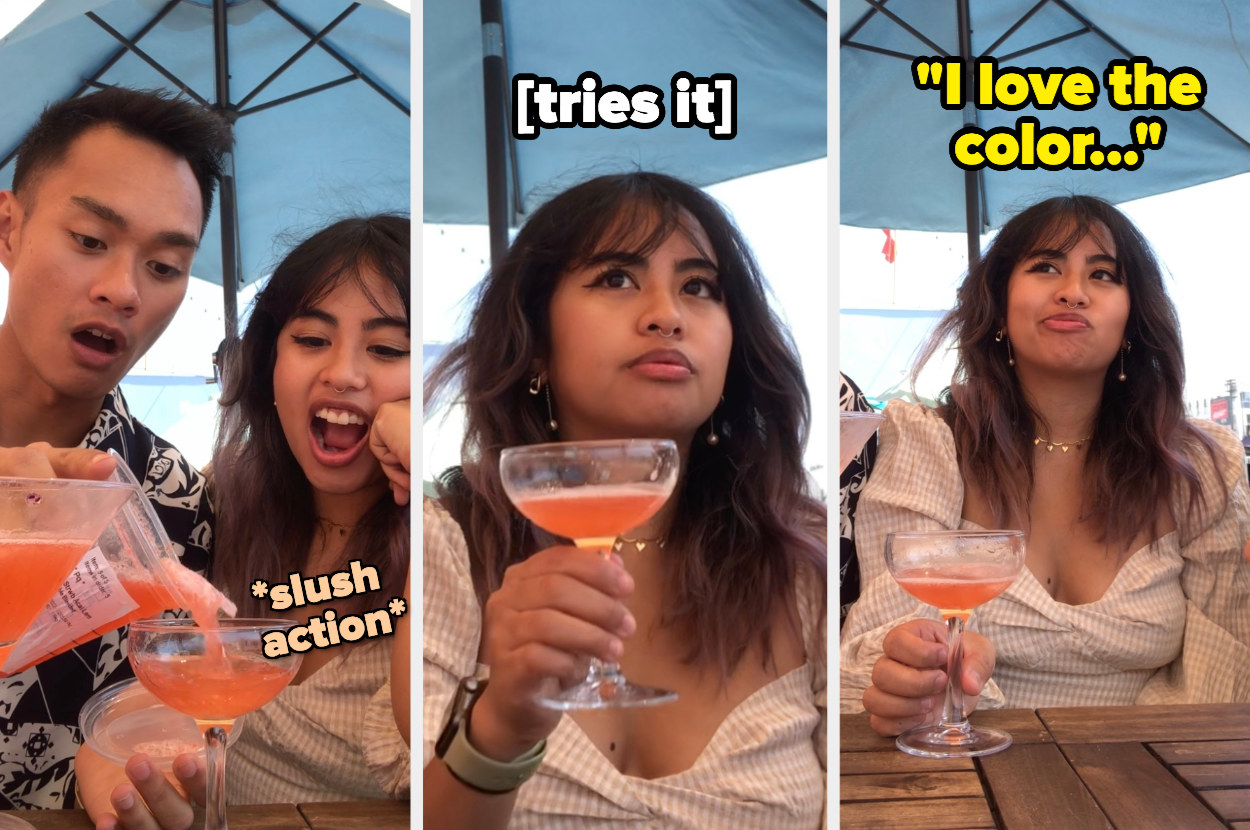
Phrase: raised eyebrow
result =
(99, 209)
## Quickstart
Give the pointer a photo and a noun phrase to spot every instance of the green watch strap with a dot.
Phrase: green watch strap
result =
(475, 770)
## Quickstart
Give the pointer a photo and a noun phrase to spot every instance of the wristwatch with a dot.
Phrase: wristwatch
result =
(464, 762)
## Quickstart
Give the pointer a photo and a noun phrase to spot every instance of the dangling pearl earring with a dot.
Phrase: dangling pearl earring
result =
(1127, 347)
(712, 438)
(998, 338)
(539, 384)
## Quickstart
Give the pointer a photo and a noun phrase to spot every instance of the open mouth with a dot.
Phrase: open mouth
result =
(96, 340)
(338, 430)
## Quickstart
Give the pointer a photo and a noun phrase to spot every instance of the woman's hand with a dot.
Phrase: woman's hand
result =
(551, 614)
(909, 680)
(390, 437)
(139, 797)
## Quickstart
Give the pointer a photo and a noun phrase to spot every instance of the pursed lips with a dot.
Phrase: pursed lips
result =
(662, 364)
(1066, 322)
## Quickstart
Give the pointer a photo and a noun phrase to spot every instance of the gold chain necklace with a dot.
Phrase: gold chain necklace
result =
(639, 544)
(341, 528)
(1063, 445)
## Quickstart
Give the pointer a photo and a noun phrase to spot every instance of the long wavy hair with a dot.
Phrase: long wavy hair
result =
(266, 520)
(745, 521)
(1141, 434)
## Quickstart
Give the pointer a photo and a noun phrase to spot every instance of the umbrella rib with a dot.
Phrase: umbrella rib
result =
(1037, 46)
(903, 24)
(298, 54)
(867, 47)
(297, 95)
(859, 24)
(133, 47)
(1012, 30)
(1126, 53)
(364, 76)
(814, 9)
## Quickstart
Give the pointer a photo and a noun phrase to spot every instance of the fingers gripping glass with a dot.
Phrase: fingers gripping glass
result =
(214, 674)
(954, 571)
(592, 492)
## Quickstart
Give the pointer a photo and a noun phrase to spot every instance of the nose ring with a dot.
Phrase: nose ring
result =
(1071, 305)
(666, 335)
(340, 391)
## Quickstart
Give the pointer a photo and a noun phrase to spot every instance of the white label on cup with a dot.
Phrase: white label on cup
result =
(89, 599)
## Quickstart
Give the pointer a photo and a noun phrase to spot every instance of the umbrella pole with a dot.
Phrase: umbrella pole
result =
(493, 72)
(228, 209)
(972, 193)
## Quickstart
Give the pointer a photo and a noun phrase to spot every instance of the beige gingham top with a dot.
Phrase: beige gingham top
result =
(331, 738)
(1173, 627)
(764, 769)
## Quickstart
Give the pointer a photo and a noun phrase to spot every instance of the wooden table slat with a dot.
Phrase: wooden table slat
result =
(1199, 752)
(1135, 790)
(1230, 805)
(1034, 788)
(371, 815)
(1214, 776)
(920, 814)
(892, 760)
(1109, 724)
(909, 785)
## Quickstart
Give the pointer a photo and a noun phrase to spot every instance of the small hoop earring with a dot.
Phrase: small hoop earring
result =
(539, 384)
(1127, 347)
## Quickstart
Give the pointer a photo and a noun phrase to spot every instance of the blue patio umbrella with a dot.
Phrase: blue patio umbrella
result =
(318, 91)
(896, 170)
(776, 50)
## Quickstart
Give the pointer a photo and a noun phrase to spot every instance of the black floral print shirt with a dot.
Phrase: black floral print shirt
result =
(39, 733)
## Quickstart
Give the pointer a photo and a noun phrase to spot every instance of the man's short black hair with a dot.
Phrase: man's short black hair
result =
(187, 129)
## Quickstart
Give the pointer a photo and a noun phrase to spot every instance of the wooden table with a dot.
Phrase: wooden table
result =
(329, 815)
(1123, 767)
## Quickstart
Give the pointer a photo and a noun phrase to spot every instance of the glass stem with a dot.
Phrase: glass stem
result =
(215, 803)
(602, 672)
(953, 709)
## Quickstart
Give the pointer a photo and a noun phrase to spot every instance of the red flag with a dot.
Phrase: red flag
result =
(888, 248)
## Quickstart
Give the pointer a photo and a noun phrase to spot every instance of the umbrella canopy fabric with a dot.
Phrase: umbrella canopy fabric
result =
(776, 49)
(896, 170)
(318, 90)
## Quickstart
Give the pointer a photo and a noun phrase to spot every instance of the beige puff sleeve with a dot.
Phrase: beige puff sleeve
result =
(386, 754)
(451, 620)
(915, 485)
(1215, 657)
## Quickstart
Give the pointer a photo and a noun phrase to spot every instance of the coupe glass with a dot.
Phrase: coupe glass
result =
(854, 430)
(592, 492)
(214, 674)
(955, 571)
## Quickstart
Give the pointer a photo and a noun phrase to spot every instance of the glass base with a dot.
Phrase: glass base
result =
(958, 741)
(607, 693)
(8, 821)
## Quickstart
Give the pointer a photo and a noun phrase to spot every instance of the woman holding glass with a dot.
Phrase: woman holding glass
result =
(628, 307)
(1065, 420)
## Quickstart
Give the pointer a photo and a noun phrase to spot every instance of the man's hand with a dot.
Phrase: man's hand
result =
(42, 460)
